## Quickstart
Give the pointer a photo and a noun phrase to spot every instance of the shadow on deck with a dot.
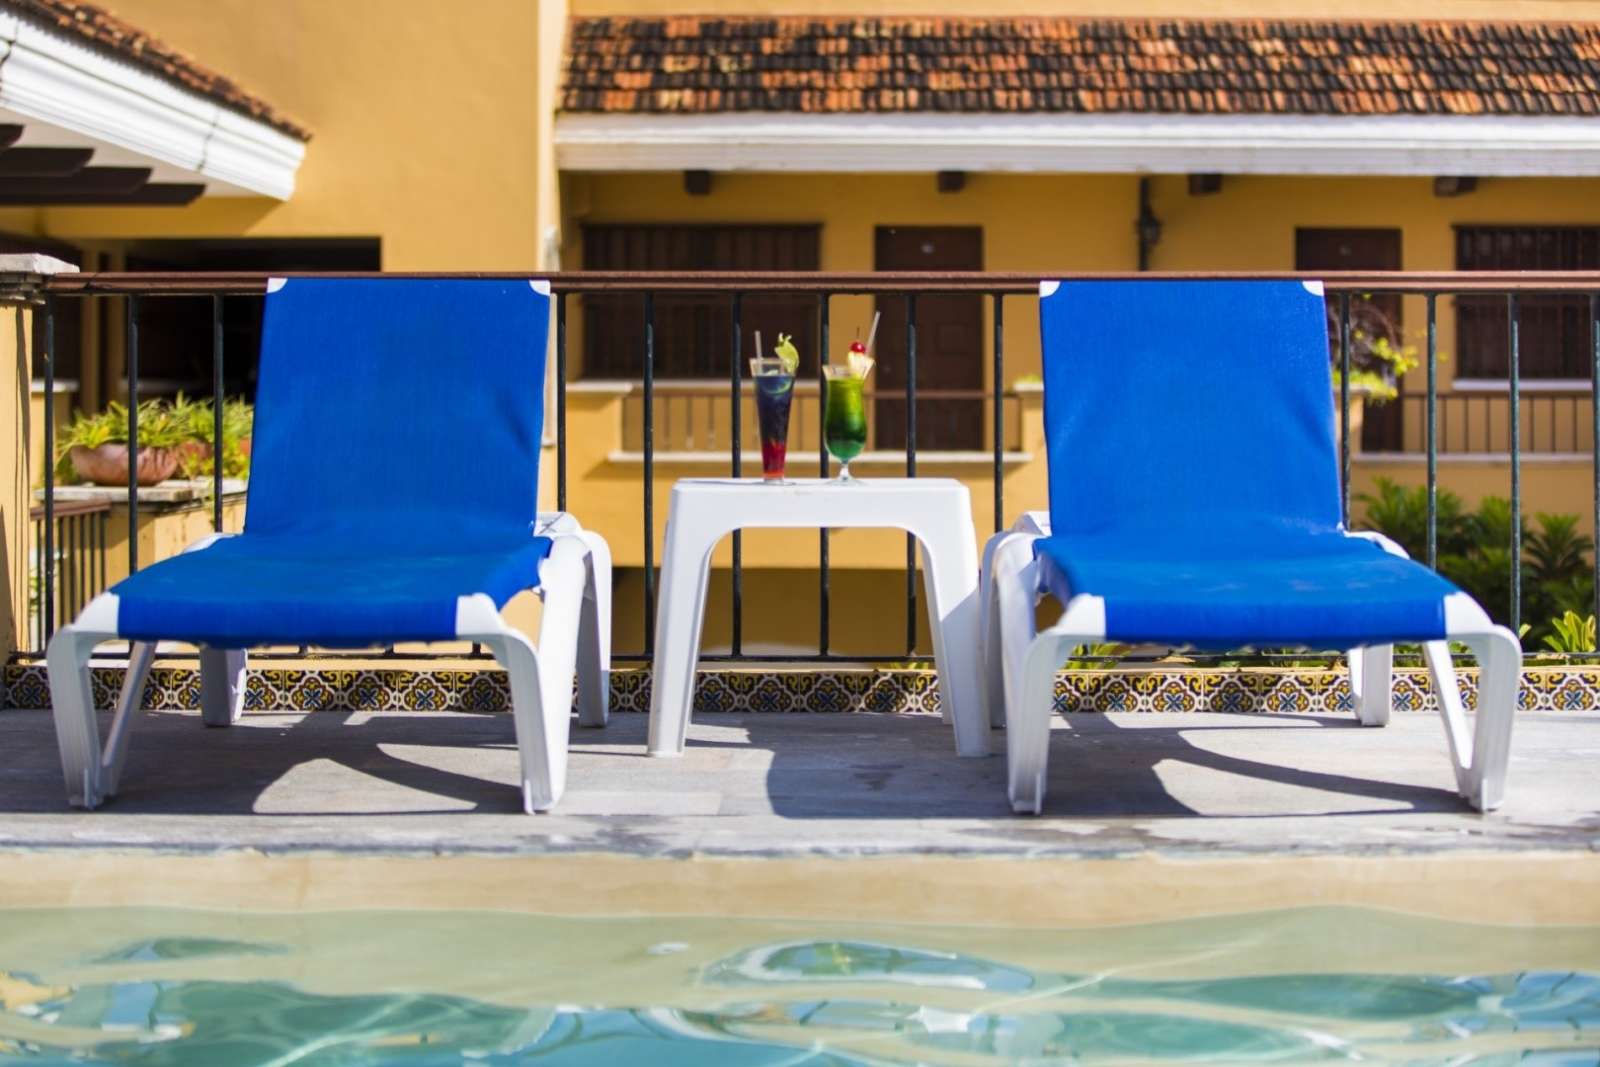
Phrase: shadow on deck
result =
(797, 785)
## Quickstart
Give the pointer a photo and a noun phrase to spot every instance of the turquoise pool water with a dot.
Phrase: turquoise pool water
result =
(169, 988)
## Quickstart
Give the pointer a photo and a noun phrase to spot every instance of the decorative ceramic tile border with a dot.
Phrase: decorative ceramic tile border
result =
(1270, 690)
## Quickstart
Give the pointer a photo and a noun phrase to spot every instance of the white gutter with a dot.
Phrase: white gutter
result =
(1483, 146)
(65, 93)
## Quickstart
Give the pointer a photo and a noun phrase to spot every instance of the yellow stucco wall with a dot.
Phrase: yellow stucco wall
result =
(1085, 222)
(424, 119)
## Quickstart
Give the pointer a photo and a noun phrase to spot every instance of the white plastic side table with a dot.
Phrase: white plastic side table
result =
(936, 511)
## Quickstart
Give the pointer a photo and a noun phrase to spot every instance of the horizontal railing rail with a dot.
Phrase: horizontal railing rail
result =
(1420, 283)
(1440, 415)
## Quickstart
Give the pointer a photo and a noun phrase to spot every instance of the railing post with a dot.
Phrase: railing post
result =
(1514, 376)
(1594, 441)
(911, 467)
(736, 432)
(47, 583)
(216, 413)
(561, 401)
(649, 473)
(1433, 431)
(824, 592)
(999, 411)
(132, 335)
(1344, 406)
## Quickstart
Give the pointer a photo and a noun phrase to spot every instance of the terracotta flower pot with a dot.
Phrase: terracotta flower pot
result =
(108, 464)
(192, 457)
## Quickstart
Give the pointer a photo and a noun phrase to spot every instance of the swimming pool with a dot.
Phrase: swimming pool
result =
(175, 987)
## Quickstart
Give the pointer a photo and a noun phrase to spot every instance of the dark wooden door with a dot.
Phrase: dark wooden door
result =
(949, 341)
(693, 331)
(1382, 428)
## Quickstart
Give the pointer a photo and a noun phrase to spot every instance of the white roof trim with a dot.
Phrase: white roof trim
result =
(1074, 143)
(66, 93)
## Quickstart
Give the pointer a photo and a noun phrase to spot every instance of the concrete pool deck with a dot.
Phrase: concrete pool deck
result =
(792, 785)
(321, 809)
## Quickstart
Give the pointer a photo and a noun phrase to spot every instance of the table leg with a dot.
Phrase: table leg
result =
(680, 608)
(950, 576)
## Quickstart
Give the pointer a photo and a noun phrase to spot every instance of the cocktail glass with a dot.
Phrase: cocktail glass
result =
(844, 420)
(774, 396)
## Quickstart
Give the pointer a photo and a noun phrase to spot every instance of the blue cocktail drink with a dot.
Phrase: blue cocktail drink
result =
(774, 385)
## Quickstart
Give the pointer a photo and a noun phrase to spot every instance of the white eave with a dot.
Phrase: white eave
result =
(65, 93)
(1484, 146)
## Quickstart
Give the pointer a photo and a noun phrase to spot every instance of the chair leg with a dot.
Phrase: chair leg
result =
(1372, 683)
(72, 704)
(1007, 559)
(222, 685)
(1480, 760)
(141, 655)
(541, 754)
(90, 770)
(1452, 712)
(994, 675)
(543, 713)
(1030, 669)
(541, 680)
(1028, 718)
(594, 635)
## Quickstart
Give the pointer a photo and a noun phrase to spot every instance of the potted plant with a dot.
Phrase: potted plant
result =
(174, 438)
(193, 418)
(94, 448)
(200, 421)
(1378, 358)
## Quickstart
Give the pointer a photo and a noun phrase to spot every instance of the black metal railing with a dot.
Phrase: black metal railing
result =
(1436, 410)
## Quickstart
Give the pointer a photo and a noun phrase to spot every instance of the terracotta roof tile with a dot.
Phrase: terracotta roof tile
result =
(699, 64)
(103, 31)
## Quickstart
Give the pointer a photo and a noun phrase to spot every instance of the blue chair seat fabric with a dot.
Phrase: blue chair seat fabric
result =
(251, 590)
(394, 468)
(1295, 589)
(1194, 472)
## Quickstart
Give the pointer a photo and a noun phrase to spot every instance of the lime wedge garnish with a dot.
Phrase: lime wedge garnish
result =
(787, 352)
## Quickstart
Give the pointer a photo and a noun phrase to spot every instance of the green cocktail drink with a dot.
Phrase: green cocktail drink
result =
(844, 423)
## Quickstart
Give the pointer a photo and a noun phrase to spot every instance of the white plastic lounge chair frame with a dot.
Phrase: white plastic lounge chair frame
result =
(574, 632)
(1020, 667)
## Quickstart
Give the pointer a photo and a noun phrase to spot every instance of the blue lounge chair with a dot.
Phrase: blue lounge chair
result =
(394, 480)
(1194, 501)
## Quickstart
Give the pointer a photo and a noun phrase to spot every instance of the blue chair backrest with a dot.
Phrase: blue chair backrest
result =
(1182, 408)
(399, 411)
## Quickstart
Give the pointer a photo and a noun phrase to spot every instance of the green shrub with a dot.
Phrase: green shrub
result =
(1571, 633)
(1402, 515)
(1474, 552)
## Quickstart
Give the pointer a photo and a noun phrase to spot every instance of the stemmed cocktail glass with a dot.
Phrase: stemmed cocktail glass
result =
(844, 422)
